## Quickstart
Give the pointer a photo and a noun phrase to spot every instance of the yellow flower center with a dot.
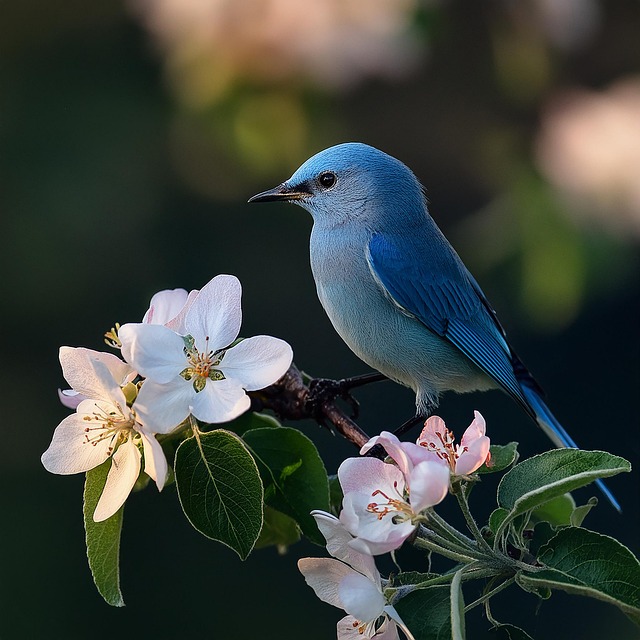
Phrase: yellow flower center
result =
(202, 364)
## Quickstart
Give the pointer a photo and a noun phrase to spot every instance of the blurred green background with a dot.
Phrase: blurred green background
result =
(131, 136)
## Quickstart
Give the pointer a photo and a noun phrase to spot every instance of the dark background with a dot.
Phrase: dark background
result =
(115, 182)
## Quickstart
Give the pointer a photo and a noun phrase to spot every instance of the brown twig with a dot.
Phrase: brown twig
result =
(290, 399)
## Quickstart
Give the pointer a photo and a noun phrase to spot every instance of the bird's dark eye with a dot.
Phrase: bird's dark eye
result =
(327, 179)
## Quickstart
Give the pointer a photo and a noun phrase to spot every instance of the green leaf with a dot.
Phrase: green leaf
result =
(278, 530)
(427, 612)
(542, 533)
(250, 420)
(457, 607)
(581, 512)
(293, 474)
(557, 511)
(590, 564)
(502, 456)
(510, 632)
(412, 577)
(497, 517)
(103, 538)
(220, 489)
(550, 474)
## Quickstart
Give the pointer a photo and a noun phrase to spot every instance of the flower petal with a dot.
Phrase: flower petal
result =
(324, 575)
(393, 447)
(432, 427)
(70, 398)
(94, 374)
(216, 315)
(374, 535)
(155, 463)
(360, 597)
(162, 407)
(338, 539)
(429, 485)
(155, 351)
(349, 628)
(395, 617)
(165, 306)
(220, 401)
(125, 468)
(69, 451)
(368, 475)
(257, 362)
(178, 323)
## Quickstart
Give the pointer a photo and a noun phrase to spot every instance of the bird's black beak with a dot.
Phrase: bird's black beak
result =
(283, 193)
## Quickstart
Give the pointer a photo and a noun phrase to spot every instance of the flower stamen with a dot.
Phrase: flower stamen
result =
(202, 364)
(108, 425)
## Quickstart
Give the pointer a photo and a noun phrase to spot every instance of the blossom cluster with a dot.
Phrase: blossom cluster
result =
(383, 504)
(184, 359)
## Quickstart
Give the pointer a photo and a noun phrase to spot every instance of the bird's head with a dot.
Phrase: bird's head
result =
(349, 181)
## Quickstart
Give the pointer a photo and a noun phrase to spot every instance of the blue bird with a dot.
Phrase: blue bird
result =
(395, 289)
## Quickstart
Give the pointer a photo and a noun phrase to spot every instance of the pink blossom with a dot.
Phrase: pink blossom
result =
(382, 502)
(464, 458)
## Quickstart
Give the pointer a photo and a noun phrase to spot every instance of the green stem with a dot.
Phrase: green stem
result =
(445, 529)
(461, 496)
(424, 543)
(466, 549)
(489, 594)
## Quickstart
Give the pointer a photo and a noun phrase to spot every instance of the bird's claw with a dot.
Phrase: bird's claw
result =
(323, 390)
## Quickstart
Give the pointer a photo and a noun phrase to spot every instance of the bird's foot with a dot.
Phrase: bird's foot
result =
(322, 390)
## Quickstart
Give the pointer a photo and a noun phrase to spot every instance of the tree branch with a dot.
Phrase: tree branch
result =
(290, 399)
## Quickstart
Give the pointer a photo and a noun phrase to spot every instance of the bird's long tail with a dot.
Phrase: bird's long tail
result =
(556, 432)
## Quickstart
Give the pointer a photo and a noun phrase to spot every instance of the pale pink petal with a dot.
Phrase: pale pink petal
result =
(155, 351)
(125, 468)
(162, 407)
(324, 575)
(155, 462)
(474, 446)
(360, 597)
(69, 451)
(432, 427)
(349, 629)
(257, 362)
(395, 620)
(476, 429)
(429, 485)
(215, 316)
(220, 401)
(70, 398)
(393, 447)
(474, 457)
(91, 373)
(338, 539)
(178, 323)
(373, 535)
(165, 306)
(368, 475)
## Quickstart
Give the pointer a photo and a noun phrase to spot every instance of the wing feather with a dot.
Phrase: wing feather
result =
(448, 301)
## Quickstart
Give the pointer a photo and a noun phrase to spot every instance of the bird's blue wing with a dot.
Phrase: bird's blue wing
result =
(432, 284)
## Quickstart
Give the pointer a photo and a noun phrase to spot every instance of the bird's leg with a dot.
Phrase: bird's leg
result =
(322, 390)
